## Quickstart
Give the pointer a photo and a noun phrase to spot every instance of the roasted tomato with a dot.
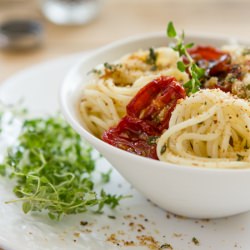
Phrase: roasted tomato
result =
(207, 53)
(217, 63)
(133, 135)
(148, 115)
(155, 102)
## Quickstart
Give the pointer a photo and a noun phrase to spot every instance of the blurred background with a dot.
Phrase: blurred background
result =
(108, 20)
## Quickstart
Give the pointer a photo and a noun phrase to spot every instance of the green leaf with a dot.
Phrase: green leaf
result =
(189, 45)
(181, 66)
(26, 207)
(192, 86)
(171, 32)
(188, 84)
(2, 169)
(106, 176)
(200, 72)
(44, 179)
(182, 35)
(52, 216)
(196, 73)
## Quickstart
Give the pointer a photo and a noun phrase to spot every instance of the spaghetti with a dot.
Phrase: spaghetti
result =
(209, 129)
(139, 104)
(105, 97)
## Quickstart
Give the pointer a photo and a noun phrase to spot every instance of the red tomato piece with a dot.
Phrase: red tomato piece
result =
(148, 115)
(155, 102)
(133, 135)
(207, 53)
(216, 63)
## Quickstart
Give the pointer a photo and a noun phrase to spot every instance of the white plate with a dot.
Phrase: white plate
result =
(38, 87)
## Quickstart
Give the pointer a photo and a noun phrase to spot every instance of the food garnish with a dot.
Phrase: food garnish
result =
(195, 241)
(53, 169)
(196, 73)
(151, 59)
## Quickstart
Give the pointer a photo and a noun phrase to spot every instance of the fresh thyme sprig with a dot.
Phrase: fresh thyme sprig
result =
(53, 169)
(196, 73)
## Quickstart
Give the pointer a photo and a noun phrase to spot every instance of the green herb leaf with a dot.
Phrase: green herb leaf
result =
(26, 207)
(108, 66)
(2, 169)
(111, 67)
(196, 73)
(189, 45)
(171, 32)
(106, 176)
(181, 66)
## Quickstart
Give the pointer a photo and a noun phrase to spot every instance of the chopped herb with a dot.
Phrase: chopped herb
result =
(163, 149)
(112, 217)
(152, 140)
(53, 170)
(106, 176)
(240, 157)
(108, 66)
(83, 223)
(195, 241)
(166, 246)
(95, 71)
(111, 67)
(151, 59)
(196, 73)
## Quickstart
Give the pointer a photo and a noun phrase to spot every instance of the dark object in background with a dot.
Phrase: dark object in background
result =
(21, 34)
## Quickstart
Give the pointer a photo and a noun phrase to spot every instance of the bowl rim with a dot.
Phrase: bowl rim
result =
(90, 137)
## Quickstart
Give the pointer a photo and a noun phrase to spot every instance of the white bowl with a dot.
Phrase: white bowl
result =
(184, 190)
